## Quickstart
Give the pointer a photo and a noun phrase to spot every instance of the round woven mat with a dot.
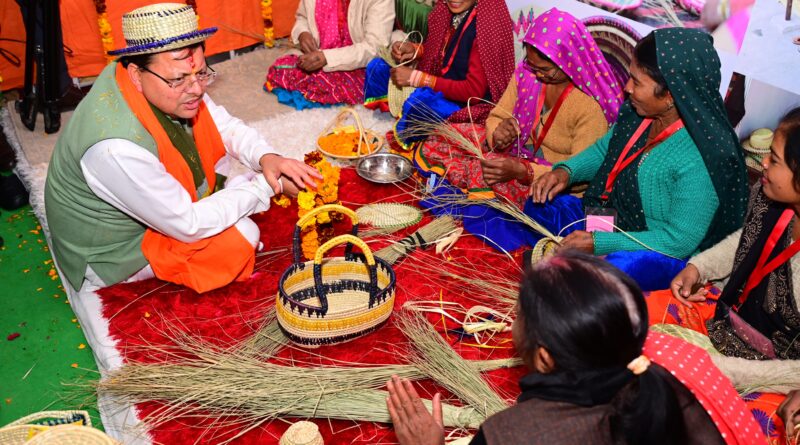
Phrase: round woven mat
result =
(389, 215)
(302, 433)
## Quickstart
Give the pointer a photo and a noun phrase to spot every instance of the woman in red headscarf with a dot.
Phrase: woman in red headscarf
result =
(468, 53)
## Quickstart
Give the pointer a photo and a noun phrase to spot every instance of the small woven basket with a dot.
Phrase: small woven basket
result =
(302, 433)
(365, 140)
(72, 435)
(544, 248)
(334, 300)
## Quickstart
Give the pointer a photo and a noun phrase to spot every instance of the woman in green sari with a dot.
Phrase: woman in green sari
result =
(671, 170)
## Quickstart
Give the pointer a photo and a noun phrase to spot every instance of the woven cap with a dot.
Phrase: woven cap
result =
(302, 433)
(160, 27)
(760, 141)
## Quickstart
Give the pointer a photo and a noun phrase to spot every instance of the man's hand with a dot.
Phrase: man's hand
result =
(313, 61)
(505, 133)
(550, 184)
(686, 286)
(299, 174)
(413, 424)
(289, 187)
(789, 411)
(307, 43)
(579, 240)
(503, 169)
(401, 76)
(402, 51)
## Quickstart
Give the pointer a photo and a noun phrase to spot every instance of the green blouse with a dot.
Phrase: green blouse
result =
(678, 197)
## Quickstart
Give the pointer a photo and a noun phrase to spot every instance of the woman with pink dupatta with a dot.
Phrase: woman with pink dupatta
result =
(562, 97)
(336, 38)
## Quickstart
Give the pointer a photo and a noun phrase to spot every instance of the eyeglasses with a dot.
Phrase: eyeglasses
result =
(205, 76)
(547, 72)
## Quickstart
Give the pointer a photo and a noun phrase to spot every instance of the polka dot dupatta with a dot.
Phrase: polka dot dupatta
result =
(692, 366)
(691, 67)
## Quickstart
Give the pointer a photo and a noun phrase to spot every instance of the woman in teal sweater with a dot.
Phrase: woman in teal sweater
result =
(670, 172)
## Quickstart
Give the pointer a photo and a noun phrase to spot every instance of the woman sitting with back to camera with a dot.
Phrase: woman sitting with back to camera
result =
(597, 376)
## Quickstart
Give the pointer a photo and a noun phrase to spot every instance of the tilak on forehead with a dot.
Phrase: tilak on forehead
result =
(191, 61)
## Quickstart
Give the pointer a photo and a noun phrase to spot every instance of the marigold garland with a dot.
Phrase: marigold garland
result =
(327, 192)
(105, 29)
(266, 15)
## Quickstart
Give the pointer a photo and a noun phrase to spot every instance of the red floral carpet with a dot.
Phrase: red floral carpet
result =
(138, 313)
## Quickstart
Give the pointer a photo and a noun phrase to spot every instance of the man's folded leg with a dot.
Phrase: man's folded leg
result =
(206, 264)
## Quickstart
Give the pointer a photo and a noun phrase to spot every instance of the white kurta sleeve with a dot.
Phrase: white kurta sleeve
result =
(134, 181)
(241, 141)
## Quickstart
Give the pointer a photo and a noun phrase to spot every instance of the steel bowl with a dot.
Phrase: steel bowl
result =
(384, 168)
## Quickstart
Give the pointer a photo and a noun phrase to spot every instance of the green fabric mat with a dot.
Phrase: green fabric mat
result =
(41, 344)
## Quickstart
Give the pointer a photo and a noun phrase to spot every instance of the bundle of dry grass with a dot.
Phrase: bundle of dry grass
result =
(423, 237)
(429, 124)
(438, 360)
(236, 386)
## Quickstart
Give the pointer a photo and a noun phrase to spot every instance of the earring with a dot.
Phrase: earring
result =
(670, 106)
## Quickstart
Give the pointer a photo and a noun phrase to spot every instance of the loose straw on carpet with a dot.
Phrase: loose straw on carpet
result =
(434, 357)
(235, 386)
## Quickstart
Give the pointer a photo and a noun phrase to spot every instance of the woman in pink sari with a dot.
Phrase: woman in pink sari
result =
(562, 97)
(336, 38)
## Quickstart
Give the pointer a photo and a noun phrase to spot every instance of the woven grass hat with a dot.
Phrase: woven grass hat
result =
(759, 142)
(302, 433)
(160, 27)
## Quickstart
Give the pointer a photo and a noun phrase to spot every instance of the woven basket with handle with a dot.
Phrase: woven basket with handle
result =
(333, 300)
(366, 139)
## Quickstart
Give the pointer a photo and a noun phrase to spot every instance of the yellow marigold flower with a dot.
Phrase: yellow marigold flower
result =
(282, 200)
(305, 200)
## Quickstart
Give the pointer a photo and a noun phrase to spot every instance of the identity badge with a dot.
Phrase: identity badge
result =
(600, 219)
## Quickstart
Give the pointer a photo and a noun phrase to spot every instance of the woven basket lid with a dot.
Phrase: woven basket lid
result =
(71, 435)
(389, 215)
(302, 433)
(617, 40)
(160, 27)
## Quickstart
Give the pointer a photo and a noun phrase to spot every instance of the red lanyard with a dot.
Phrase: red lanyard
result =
(446, 68)
(624, 160)
(763, 268)
(537, 141)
